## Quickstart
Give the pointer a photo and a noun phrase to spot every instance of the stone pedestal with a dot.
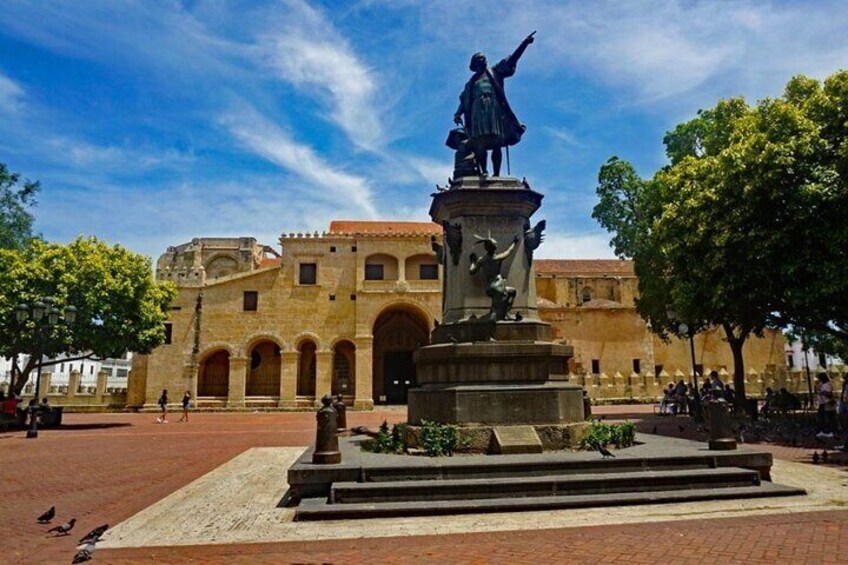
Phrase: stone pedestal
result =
(479, 371)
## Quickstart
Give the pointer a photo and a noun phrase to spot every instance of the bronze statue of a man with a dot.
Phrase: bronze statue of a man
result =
(489, 121)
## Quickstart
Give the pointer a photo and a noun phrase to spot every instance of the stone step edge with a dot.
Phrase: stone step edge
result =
(558, 478)
(319, 509)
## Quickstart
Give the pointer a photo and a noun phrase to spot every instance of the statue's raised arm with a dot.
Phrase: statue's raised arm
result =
(519, 51)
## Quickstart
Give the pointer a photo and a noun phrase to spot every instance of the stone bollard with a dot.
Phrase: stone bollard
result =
(722, 437)
(341, 413)
(326, 440)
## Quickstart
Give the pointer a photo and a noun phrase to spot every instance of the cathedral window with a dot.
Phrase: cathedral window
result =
(308, 273)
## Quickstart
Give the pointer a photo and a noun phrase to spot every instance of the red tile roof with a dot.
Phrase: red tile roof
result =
(268, 262)
(384, 228)
(577, 267)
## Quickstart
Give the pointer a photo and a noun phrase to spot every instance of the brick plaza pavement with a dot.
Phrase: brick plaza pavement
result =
(103, 468)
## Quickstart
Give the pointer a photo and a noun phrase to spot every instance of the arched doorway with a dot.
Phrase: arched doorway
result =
(306, 368)
(344, 370)
(398, 332)
(265, 366)
(213, 374)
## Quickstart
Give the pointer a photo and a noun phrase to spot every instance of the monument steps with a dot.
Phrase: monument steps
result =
(529, 466)
(541, 486)
(320, 509)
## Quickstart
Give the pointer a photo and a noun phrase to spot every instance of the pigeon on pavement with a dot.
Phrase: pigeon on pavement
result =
(605, 452)
(84, 554)
(47, 516)
(95, 534)
(64, 529)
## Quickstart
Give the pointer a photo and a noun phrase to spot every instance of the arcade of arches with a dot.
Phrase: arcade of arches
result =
(397, 332)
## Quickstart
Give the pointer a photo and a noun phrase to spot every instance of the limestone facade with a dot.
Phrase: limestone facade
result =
(343, 310)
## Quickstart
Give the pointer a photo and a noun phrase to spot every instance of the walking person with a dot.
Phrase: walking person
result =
(186, 402)
(163, 404)
(827, 406)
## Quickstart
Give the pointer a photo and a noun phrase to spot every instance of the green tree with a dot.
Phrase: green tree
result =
(744, 228)
(119, 305)
(15, 219)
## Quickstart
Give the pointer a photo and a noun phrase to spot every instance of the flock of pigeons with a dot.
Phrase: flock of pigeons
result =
(87, 543)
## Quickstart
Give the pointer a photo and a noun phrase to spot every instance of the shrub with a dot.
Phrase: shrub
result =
(601, 433)
(390, 441)
(441, 439)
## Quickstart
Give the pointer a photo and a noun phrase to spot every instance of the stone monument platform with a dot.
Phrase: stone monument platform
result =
(657, 470)
(491, 360)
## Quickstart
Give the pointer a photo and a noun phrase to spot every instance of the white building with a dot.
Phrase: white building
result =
(797, 360)
(117, 369)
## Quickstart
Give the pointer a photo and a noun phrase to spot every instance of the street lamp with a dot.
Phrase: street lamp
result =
(38, 311)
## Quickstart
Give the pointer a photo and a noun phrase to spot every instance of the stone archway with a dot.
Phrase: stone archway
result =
(344, 370)
(213, 374)
(263, 379)
(398, 332)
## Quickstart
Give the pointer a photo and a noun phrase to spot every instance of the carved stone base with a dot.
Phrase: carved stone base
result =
(463, 332)
(548, 403)
(492, 362)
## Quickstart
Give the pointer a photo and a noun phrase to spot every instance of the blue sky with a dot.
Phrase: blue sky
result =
(152, 122)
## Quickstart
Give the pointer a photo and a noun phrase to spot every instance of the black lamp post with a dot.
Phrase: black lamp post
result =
(46, 315)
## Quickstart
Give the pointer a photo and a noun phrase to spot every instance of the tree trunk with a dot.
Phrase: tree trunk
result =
(736, 343)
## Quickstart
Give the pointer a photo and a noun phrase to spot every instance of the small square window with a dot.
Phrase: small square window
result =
(353, 297)
(251, 300)
(169, 332)
(332, 249)
(637, 366)
(332, 298)
(308, 273)
(596, 366)
(353, 248)
(428, 272)
(373, 272)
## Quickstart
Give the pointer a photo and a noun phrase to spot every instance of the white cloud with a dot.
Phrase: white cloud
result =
(660, 49)
(564, 135)
(560, 245)
(310, 54)
(350, 192)
(11, 95)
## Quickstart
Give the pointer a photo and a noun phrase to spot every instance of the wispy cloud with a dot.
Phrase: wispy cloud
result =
(661, 49)
(11, 95)
(563, 134)
(268, 140)
(310, 54)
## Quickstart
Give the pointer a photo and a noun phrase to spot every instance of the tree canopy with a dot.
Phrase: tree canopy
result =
(119, 305)
(744, 227)
(15, 219)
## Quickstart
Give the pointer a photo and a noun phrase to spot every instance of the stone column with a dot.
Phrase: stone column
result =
(323, 374)
(45, 385)
(73, 384)
(288, 378)
(364, 399)
(401, 271)
(238, 378)
(102, 379)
